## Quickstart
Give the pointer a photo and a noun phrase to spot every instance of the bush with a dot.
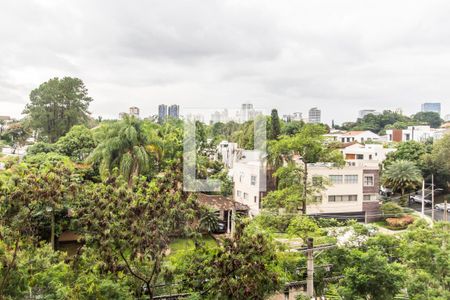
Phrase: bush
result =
(303, 226)
(400, 223)
(329, 222)
(391, 209)
(274, 223)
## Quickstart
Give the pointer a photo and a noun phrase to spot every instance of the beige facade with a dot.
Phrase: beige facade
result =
(346, 188)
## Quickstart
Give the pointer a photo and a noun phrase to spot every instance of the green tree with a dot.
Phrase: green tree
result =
(429, 117)
(77, 144)
(402, 175)
(371, 276)
(410, 150)
(308, 146)
(275, 128)
(243, 267)
(126, 146)
(57, 105)
(303, 226)
(132, 229)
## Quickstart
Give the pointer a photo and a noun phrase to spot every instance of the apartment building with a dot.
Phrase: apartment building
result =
(249, 177)
(349, 191)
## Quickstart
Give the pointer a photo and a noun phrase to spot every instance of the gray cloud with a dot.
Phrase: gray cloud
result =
(340, 56)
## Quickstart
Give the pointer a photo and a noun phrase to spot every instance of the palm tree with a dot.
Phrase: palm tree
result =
(125, 146)
(402, 175)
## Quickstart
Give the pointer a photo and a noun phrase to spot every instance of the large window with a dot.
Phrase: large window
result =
(245, 196)
(336, 179)
(253, 180)
(351, 179)
(342, 198)
(359, 156)
(368, 180)
(238, 193)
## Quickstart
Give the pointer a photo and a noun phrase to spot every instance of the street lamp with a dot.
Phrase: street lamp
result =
(49, 209)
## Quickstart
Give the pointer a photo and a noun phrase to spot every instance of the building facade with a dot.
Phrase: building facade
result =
(354, 136)
(249, 178)
(174, 111)
(349, 191)
(431, 107)
(314, 115)
(365, 112)
(162, 113)
(134, 111)
(419, 133)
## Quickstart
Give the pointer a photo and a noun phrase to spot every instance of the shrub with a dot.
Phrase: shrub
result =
(274, 223)
(391, 209)
(400, 223)
(329, 222)
(303, 226)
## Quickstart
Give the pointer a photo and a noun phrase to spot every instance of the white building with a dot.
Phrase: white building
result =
(352, 190)
(368, 152)
(314, 115)
(354, 136)
(227, 152)
(249, 179)
(418, 133)
(365, 112)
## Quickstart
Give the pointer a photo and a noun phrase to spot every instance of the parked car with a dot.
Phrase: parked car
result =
(418, 199)
(440, 206)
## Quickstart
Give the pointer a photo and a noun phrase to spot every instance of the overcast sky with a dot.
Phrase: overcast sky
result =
(341, 56)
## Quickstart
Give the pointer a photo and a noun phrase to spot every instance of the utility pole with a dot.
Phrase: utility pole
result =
(432, 198)
(310, 268)
(445, 211)
(423, 199)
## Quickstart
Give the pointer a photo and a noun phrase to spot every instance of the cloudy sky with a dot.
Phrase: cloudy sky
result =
(341, 56)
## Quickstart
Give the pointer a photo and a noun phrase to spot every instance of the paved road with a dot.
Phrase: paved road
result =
(438, 214)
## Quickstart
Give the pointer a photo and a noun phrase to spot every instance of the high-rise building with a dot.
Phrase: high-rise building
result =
(314, 115)
(247, 112)
(365, 112)
(134, 111)
(219, 116)
(162, 113)
(431, 107)
(174, 111)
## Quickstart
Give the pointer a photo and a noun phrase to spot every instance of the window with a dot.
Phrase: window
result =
(367, 197)
(342, 198)
(317, 181)
(253, 180)
(238, 193)
(368, 180)
(407, 137)
(336, 179)
(359, 156)
(256, 199)
(370, 156)
(245, 196)
(351, 179)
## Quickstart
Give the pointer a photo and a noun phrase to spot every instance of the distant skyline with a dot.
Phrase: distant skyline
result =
(341, 57)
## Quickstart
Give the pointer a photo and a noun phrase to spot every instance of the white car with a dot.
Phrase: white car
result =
(440, 206)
